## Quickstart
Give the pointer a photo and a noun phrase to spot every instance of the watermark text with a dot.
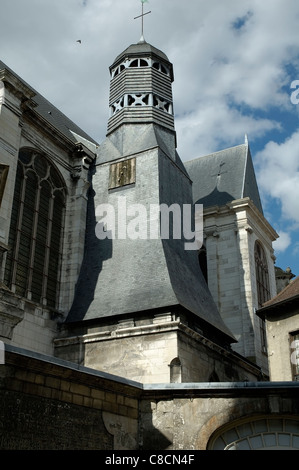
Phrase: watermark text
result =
(136, 221)
(295, 93)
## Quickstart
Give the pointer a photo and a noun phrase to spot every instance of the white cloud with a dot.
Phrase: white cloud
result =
(204, 130)
(226, 55)
(295, 250)
(234, 62)
(283, 242)
(278, 174)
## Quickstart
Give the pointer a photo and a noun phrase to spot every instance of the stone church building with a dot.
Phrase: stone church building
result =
(113, 316)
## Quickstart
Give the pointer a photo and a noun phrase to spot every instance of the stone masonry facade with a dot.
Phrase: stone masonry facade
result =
(53, 405)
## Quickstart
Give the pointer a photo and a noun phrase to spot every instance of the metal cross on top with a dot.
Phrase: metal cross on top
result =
(142, 16)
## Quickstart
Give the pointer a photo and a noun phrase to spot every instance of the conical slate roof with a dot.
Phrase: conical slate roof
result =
(141, 48)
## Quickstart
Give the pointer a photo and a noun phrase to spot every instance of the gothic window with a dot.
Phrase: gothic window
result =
(33, 259)
(262, 284)
(262, 275)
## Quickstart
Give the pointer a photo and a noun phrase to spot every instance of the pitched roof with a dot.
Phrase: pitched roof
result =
(52, 115)
(224, 176)
(289, 293)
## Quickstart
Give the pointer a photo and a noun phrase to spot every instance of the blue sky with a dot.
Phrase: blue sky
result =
(234, 63)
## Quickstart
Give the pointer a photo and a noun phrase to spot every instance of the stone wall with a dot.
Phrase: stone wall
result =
(56, 406)
(189, 417)
(52, 404)
(280, 327)
(230, 235)
(23, 322)
(149, 350)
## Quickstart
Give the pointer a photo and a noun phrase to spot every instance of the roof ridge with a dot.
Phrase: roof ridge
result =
(281, 294)
(218, 151)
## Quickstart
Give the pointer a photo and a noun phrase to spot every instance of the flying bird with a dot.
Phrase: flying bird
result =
(79, 40)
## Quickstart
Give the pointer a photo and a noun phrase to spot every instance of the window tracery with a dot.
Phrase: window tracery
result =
(263, 287)
(262, 275)
(33, 260)
(258, 434)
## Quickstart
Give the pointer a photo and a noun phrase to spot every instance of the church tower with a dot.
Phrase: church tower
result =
(237, 251)
(142, 308)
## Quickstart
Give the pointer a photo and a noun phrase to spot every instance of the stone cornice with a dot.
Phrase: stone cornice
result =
(22, 91)
(247, 204)
(52, 366)
(174, 325)
(46, 128)
(252, 212)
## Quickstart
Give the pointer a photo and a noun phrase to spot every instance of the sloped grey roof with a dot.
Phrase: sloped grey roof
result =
(224, 176)
(52, 115)
(289, 293)
(131, 276)
(141, 48)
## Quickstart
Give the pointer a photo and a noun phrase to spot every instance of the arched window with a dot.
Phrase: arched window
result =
(262, 285)
(35, 238)
(260, 433)
(161, 68)
(175, 370)
(262, 275)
